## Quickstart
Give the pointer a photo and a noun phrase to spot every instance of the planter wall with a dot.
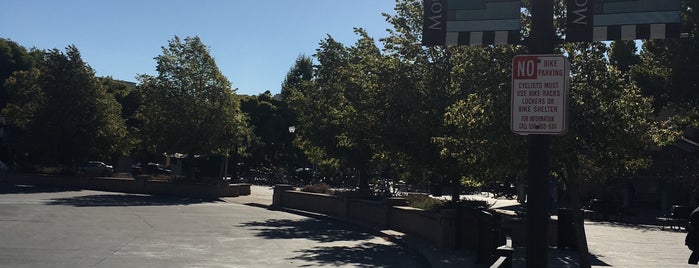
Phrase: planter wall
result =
(367, 211)
(438, 228)
(313, 202)
(140, 184)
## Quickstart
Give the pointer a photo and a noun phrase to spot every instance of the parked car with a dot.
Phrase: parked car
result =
(3, 170)
(96, 168)
(150, 169)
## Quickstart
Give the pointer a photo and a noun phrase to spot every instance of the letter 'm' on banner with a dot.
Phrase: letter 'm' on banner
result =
(434, 29)
(580, 20)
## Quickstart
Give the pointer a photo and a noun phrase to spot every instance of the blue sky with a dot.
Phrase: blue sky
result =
(254, 42)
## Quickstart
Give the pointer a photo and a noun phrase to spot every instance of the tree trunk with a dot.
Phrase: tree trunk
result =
(363, 180)
(455, 190)
(578, 216)
(222, 169)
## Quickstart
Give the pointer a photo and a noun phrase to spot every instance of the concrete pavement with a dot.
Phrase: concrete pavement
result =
(42, 227)
(435, 257)
(610, 244)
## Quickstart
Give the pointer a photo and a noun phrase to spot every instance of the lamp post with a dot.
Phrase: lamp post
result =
(291, 168)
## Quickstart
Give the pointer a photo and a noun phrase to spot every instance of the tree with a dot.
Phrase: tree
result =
(269, 121)
(298, 77)
(13, 57)
(623, 55)
(62, 111)
(480, 136)
(612, 122)
(667, 72)
(418, 94)
(189, 107)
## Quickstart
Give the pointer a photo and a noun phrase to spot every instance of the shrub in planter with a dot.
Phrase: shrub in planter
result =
(424, 202)
(319, 188)
(476, 203)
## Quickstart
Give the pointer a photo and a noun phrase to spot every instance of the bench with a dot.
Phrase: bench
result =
(604, 210)
(677, 218)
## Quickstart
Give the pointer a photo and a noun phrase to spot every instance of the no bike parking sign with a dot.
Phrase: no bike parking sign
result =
(540, 94)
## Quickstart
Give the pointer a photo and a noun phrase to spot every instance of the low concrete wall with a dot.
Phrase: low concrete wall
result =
(447, 229)
(367, 211)
(199, 190)
(518, 228)
(47, 180)
(243, 188)
(124, 185)
(313, 202)
(438, 228)
(418, 222)
(139, 184)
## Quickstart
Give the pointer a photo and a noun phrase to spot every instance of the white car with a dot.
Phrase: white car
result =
(96, 168)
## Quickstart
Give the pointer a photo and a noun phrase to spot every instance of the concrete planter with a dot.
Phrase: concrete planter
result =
(140, 184)
(438, 228)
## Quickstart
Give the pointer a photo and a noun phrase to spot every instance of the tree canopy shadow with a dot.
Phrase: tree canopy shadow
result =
(364, 255)
(309, 228)
(125, 200)
(560, 258)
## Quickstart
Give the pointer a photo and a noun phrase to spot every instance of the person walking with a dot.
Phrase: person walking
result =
(692, 239)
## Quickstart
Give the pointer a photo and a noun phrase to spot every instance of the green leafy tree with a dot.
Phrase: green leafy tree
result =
(269, 122)
(13, 57)
(480, 136)
(624, 55)
(63, 112)
(332, 124)
(298, 78)
(612, 123)
(189, 107)
(417, 95)
(667, 71)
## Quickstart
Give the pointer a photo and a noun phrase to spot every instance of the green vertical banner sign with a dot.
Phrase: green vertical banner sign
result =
(603, 20)
(434, 28)
(471, 22)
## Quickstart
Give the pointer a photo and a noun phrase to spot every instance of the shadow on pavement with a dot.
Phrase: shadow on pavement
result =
(560, 258)
(636, 226)
(29, 189)
(364, 255)
(125, 200)
(313, 229)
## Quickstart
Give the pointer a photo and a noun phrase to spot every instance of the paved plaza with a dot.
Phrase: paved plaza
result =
(42, 227)
(610, 244)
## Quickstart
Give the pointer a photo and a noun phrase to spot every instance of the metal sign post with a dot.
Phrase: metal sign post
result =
(539, 150)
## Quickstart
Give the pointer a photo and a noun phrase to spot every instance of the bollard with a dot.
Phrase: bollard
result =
(277, 198)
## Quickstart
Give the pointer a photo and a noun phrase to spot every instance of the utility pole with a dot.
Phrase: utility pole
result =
(541, 41)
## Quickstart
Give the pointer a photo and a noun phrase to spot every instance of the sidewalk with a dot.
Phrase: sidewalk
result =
(610, 244)
(261, 196)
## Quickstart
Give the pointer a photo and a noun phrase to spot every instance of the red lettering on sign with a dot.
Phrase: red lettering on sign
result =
(524, 67)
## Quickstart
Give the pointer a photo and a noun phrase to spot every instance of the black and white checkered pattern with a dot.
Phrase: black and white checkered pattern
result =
(636, 31)
(483, 38)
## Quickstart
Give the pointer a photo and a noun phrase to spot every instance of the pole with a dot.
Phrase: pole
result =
(541, 41)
